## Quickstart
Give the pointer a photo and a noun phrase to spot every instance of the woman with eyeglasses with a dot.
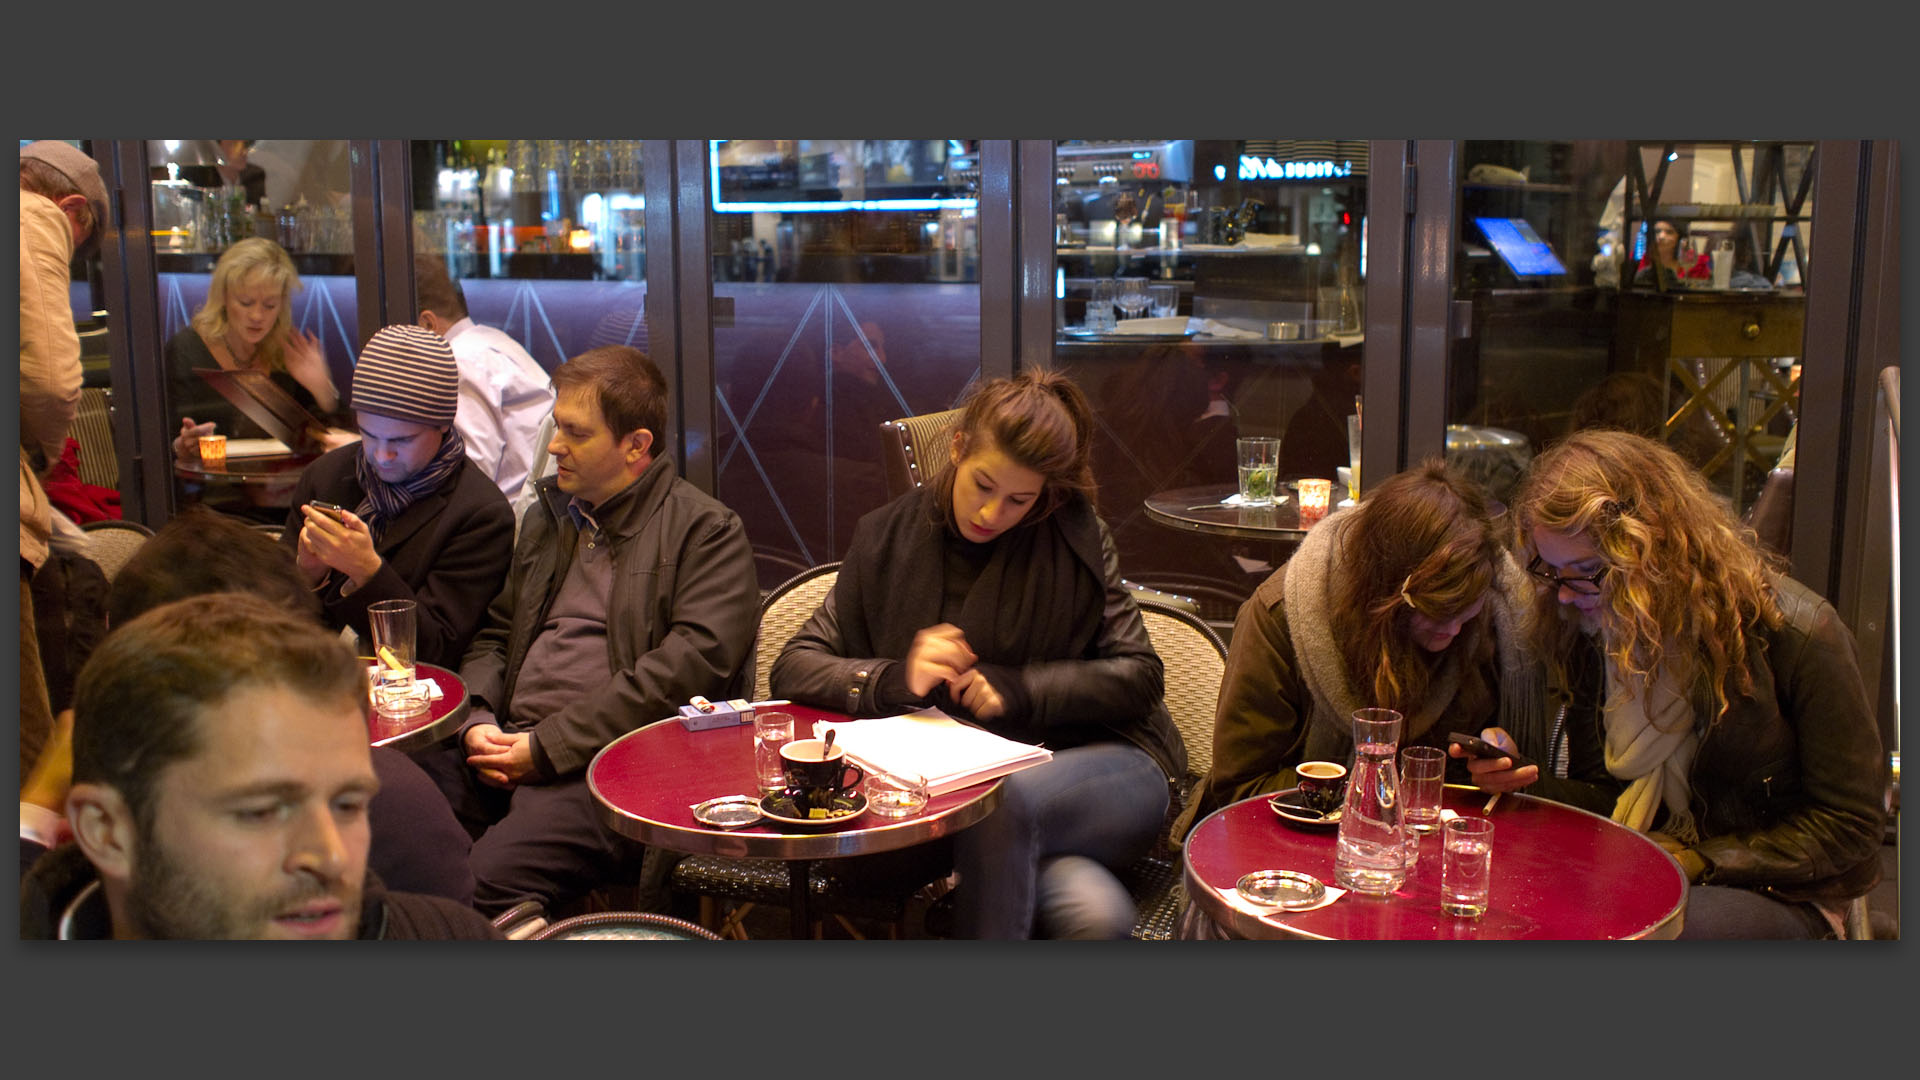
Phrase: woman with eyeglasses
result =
(1727, 695)
(1408, 601)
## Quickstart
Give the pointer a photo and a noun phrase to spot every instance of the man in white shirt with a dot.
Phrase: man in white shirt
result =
(504, 393)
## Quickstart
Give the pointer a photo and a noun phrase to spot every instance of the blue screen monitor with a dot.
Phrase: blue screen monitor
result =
(1520, 247)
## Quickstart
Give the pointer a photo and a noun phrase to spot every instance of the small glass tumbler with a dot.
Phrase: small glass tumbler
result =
(1423, 773)
(771, 731)
(1163, 300)
(1100, 315)
(896, 795)
(1466, 866)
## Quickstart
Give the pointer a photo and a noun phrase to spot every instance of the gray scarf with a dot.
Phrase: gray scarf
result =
(1314, 576)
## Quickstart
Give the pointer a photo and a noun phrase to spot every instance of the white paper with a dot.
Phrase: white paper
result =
(1271, 914)
(950, 754)
(1236, 500)
(255, 447)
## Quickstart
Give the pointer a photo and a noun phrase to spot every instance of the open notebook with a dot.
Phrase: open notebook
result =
(950, 754)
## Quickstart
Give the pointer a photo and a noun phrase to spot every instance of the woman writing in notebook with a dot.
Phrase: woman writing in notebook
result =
(245, 324)
(994, 593)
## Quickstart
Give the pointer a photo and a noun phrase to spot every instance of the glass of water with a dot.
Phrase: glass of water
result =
(771, 731)
(896, 795)
(1466, 866)
(1164, 300)
(1423, 772)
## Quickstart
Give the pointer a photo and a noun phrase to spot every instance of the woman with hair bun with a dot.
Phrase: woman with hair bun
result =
(994, 593)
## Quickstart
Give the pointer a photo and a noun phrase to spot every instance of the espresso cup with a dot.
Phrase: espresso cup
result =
(814, 780)
(1323, 785)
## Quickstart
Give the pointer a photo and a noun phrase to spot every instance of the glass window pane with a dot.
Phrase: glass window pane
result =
(1655, 286)
(209, 195)
(1240, 269)
(851, 268)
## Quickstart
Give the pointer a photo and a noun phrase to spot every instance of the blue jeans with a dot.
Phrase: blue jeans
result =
(1049, 848)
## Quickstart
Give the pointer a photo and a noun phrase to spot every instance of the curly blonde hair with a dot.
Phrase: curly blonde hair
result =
(1424, 544)
(1685, 579)
(252, 262)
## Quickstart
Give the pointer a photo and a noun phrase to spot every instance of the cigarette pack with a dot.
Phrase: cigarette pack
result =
(704, 714)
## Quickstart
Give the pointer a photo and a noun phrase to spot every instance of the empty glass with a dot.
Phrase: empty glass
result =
(1163, 300)
(1132, 296)
(1100, 317)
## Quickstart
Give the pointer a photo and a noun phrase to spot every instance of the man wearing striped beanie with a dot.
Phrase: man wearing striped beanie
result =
(403, 515)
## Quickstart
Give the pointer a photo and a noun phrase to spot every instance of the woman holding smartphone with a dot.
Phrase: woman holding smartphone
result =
(994, 593)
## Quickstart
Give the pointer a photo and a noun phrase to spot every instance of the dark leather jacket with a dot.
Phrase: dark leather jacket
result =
(680, 620)
(1789, 787)
(1112, 690)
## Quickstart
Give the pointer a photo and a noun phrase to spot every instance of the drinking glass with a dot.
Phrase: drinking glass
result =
(1353, 457)
(1132, 296)
(771, 731)
(1370, 855)
(1423, 773)
(1100, 319)
(395, 690)
(1466, 866)
(1163, 300)
(1259, 469)
(896, 795)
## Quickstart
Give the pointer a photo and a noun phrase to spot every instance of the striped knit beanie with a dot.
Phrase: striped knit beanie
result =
(407, 373)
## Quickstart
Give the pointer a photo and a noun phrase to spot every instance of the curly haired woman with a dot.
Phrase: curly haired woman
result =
(1728, 695)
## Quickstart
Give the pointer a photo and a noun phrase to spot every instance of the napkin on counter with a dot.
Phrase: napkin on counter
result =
(1218, 329)
(1272, 914)
(1235, 500)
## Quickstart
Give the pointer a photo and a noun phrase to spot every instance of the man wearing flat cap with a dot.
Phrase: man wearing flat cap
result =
(417, 520)
(63, 211)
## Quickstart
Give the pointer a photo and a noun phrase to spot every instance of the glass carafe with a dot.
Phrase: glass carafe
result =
(1372, 852)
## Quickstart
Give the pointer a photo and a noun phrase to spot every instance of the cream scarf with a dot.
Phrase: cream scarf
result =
(1650, 743)
(1313, 575)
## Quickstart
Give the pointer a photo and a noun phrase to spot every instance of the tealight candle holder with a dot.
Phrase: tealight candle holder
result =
(1314, 496)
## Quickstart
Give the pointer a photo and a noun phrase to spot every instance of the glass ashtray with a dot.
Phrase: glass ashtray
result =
(1287, 889)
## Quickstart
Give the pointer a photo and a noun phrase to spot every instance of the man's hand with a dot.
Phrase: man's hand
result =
(1497, 774)
(502, 760)
(345, 545)
(939, 655)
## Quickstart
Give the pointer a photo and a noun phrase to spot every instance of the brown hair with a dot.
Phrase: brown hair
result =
(251, 261)
(139, 698)
(434, 289)
(201, 552)
(630, 390)
(1685, 579)
(1424, 543)
(1041, 421)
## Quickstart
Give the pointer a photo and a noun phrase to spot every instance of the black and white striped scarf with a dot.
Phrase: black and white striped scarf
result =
(383, 501)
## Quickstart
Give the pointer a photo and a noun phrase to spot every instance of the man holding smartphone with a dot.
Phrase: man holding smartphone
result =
(403, 515)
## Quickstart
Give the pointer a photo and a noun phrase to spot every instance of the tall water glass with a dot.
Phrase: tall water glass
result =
(1423, 773)
(1371, 853)
(1100, 316)
(771, 731)
(392, 624)
(1466, 866)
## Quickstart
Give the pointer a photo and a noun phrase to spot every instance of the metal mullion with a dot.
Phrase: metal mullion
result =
(1003, 234)
(1389, 213)
(1422, 405)
(693, 305)
(141, 439)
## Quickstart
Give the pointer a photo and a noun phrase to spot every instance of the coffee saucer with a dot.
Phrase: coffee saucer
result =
(780, 808)
(1294, 810)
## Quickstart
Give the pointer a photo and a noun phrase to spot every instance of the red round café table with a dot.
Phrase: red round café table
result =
(647, 782)
(1559, 873)
(443, 716)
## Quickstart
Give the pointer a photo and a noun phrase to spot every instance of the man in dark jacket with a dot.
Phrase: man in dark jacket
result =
(221, 785)
(631, 591)
(417, 521)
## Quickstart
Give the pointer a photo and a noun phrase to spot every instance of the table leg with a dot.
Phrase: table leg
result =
(799, 873)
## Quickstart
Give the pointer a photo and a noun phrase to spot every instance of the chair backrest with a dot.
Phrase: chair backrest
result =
(93, 430)
(782, 614)
(1196, 663)
(914, 448)
(112, 543)
(624, 926)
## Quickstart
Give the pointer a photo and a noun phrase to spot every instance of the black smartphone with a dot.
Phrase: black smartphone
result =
(332, 510)
(1481, 748)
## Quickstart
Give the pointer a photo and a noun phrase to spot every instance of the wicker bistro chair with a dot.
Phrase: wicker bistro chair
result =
(1196, 663)
(720, 880)
(624, 926)
(112, 543)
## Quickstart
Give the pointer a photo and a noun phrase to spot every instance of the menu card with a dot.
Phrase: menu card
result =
(950, 754)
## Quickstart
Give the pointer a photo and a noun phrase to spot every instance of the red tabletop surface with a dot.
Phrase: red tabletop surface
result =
(648, 781)
(1559, 873)
(442, 717)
